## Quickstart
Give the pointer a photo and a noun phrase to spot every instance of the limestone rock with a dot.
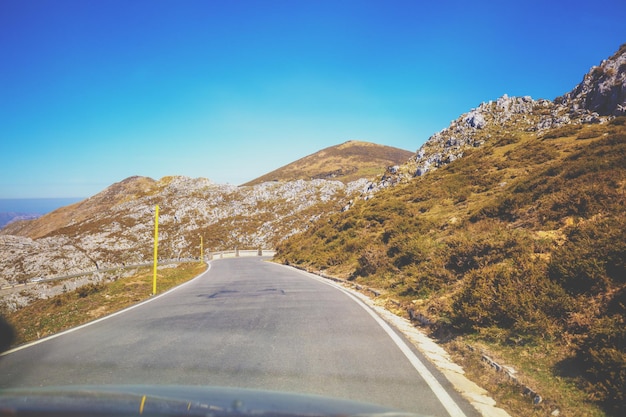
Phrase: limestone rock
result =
(603, 89)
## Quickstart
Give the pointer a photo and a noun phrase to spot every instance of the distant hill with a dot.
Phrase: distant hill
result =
(17, 209)
(114, 227)
(347, 162)
(505, 230)
(8, 217)
(82, 210)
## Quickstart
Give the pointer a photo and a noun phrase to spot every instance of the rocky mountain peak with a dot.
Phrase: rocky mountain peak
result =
(474, 128)
(603, 88)
(347, 162)
(600, 96)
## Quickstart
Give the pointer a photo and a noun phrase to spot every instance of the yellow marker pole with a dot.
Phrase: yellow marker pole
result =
(156, 249)
(201, 250)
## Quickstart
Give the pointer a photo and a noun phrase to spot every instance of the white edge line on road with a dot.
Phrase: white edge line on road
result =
(73, 329)
(442, 395)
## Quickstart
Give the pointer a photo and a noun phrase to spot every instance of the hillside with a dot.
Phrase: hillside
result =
(601, 93)
(115, 227)
(504, 232)
(347, 162)
(129, 189)
(9, 217)
(507, 234)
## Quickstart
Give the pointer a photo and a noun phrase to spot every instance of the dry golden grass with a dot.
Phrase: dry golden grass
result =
(517, 247)
(346, 162)
(46, 317)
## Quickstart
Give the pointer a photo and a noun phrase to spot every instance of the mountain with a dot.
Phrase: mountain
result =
(506, 231)
(347, 162)
(83, 210)
(16, 209)
(9, 217)
(602, 90)
(113, 227)
(601, 94)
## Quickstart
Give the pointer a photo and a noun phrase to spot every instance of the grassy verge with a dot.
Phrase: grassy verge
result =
(543, 366)
(535, 367)
(45, 317)
(518, 249)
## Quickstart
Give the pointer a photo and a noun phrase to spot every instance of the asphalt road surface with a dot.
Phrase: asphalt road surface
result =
(244, 323)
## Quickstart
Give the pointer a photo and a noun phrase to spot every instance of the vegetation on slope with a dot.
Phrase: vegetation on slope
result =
(519, 246)
(49, 316)
(114, 227)
(191, 211)
(347, 162)
(128, 189)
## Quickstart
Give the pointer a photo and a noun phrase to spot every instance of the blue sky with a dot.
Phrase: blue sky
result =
(92, 92)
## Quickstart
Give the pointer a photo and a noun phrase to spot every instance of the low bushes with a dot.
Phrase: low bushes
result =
(539, 259)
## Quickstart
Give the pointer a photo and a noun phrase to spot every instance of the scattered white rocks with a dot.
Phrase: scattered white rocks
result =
(603, 88)
(255, 216)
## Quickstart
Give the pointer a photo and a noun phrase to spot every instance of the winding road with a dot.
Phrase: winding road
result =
(244, 323)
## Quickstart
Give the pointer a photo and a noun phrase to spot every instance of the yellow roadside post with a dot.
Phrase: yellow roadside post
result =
(156, 249)
(201, 250)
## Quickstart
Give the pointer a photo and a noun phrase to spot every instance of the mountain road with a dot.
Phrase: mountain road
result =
(243, 323)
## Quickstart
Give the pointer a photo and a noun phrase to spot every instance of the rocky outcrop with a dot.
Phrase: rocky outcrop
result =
(474, 128)
(115, 227)
(603, 89)
(601, 95)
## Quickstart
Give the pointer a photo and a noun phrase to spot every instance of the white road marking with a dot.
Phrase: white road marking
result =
(442, 395)
(82, 326)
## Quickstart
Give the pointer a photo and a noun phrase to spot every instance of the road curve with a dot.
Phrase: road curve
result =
(244, 323)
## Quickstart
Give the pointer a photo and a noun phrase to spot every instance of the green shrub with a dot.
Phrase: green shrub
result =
(89, 289)
(425, 279)
(593, 258)
(534, 152)
(485, 243)
(603, 360)
(618, 121)
(372, 260)
(413, 249)
(511, 296)
(561, 132)
(590, 133)
(507, 140)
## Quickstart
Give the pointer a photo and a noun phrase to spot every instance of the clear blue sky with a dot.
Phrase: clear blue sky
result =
(92, 92)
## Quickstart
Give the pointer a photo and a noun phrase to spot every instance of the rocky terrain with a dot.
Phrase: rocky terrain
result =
(347, 162)
(115, 227)
(602, 90)
(504, 238)
(600, 96)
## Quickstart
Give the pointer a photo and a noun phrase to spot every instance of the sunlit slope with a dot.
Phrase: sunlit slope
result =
(523, 237)
(114, 227)
(118, 193)
(346, 162)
